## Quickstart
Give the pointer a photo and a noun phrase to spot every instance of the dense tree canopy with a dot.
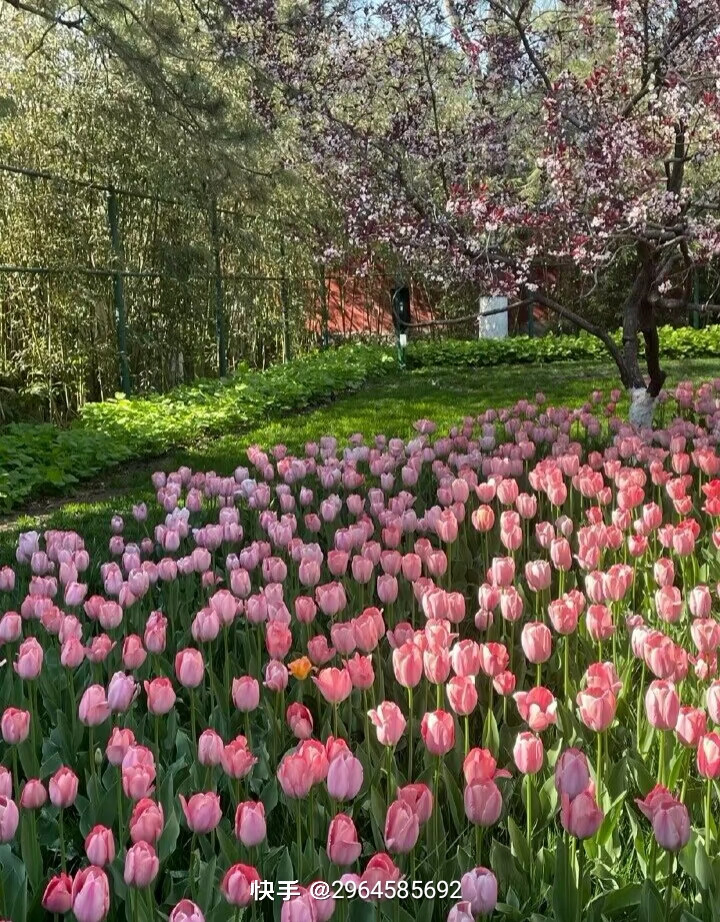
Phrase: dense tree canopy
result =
(505, 141)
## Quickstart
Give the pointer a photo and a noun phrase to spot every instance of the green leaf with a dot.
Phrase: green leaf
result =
(169, 837)
(651, 904)
(519, 844)
(564, 889)
(491, 737)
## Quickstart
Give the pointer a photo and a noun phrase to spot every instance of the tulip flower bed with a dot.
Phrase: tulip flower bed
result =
(444, 678)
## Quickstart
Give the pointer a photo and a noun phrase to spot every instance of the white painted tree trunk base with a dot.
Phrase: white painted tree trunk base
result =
(642, 408)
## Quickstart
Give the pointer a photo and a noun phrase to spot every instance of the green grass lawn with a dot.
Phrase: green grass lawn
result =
(390, 407)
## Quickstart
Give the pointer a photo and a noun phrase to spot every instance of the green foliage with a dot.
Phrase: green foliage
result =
(41, 458)
(675, 343)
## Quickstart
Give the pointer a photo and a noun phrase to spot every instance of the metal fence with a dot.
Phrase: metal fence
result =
(142, 289)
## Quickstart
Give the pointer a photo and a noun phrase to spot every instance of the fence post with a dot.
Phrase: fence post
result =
(118, 288)
(285, 299)
(218, 291)
(695, 313)
(325, 311)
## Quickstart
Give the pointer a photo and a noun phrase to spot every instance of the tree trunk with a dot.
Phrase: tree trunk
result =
(639, 317)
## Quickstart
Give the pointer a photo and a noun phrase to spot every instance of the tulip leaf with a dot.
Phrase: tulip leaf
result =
(610, 821)
(362, 911)
(622, 900)
(30, 849)
(519, 844)
(269, 795)
(564, 891)
(455, 798)
(14, 884)
(208, 884)
(491, 737)
(651, 904)
(169, 837)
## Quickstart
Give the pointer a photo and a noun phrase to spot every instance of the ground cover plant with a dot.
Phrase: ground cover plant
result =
(36, 458)
(450, 675)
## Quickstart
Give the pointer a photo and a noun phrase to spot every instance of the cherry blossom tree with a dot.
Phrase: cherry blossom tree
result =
(508, 141)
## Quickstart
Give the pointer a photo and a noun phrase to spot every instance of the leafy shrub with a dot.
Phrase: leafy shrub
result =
(40, 458)
(680, 343)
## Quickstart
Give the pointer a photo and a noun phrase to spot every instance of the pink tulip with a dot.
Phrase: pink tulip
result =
(210, 748)
(662, 705)
(29, 659)
(146, 821)
(407, 664)
(597, 707)
(246, 693)
(708, 755)
(90, 895)
(537, 708)
(10, 627)
(343, 845)
(402, 827)
(94, 708)
(299, 720)
(33, 794)
(189, 667)
(121, 739)
(202, 811)
(462, 694)
(437, 730)
(389, 722)
(236, 759)
(186, 911)
(121, 692)
(344, 777)
(160, 696)
(380, 870)
(480, 766)
(237, 884)
(141, 865)
(15, 726)
(536, 641)
(9, 819)
(690, 726)
(494, 658)
(479, 888)
(420, 799)
(63, 788)
(299, 908)
(250, 828)
(295, 776)
(133, 652)
(100, 846)
(528, 753)
(483, 803)
(334, 684)
(580, 816)
(57, 897)
(138, 772)
(572, 775)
